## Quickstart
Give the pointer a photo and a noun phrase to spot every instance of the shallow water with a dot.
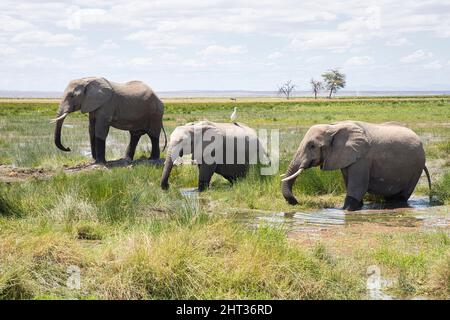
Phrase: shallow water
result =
(418, 213)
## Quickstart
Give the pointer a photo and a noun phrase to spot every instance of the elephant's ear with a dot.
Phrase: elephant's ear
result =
(97, 93)
(347, 142)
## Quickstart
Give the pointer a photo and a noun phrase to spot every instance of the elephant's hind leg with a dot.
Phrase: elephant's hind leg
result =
(155, 148)
(134, 140)
(407, 192)
(205, 173)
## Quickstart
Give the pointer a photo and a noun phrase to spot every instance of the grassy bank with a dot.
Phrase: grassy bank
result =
(140, 242)
(130, 239)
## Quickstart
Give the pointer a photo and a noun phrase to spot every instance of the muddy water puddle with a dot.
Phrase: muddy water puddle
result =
(417, 214)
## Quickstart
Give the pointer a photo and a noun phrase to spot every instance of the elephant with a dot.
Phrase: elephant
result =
(235, 146)
(130, 106)
(386, 160)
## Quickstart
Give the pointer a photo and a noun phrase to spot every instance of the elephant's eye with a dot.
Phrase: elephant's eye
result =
(312, 146)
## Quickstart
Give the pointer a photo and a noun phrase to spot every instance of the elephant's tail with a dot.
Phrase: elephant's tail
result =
(165, 138)
(429, 179)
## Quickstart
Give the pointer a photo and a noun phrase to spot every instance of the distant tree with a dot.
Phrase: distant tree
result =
(286, 89)
(316, 87)
(334, 80)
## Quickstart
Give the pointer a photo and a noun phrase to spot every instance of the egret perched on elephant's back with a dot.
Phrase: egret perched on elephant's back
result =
(233, 116)
(223, 148)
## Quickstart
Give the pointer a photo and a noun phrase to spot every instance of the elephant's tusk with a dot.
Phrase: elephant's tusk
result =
(293, 176)
(59, 118)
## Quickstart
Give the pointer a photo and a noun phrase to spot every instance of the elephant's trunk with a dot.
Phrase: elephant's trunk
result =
(168, 165)
(288, 182)
(58, 128)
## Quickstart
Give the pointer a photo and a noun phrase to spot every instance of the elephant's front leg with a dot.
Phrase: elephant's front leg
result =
(205, 173)
(131, 149)
(101, 132)
(357, 183)
(92, 134)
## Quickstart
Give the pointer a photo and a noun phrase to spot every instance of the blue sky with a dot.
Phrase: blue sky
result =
(225, 45)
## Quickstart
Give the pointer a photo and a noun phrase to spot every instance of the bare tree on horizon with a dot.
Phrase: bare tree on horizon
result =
(316, 87)
(286, 89)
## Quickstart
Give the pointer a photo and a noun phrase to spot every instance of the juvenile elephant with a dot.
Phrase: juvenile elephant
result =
(383, 159)
(223, 148)
(130, 106)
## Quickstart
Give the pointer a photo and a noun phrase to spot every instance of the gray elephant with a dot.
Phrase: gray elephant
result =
(130, 106)
(383, 159)
(224, 148)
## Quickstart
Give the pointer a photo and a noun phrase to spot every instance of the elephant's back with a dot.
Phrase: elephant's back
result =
(137, 94)
(395, 137)
(137, 107)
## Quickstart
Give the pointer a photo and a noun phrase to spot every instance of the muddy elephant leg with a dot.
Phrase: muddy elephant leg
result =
(101, 130)
(155, 148)
(131, 149)
(357, 185)
(92, 134)
(410, 188)
(205, 173)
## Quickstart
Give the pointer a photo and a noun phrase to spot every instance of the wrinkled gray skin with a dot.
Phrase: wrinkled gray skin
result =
(131, 106)
(182, 138)
(383, 159)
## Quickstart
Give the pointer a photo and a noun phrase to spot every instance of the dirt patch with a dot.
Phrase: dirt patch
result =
(9, 174)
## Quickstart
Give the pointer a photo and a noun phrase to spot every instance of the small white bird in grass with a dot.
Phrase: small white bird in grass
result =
(233, 116)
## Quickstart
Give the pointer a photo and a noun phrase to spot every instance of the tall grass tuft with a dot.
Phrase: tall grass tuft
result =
(215, 258)
(442, 188)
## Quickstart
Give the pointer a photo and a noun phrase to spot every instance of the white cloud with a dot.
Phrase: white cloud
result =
(46, 39)
(398, 42)
(139, 62)
(10, 24)
(157, 40)
(221, 50)
(416, 56)
(333, 40)
(360, 61)
(275, 55)
(314, 59)
(109, 44)
(296, 39)
(433, 65)
(82, 53)
(192, 63)
(6, 50)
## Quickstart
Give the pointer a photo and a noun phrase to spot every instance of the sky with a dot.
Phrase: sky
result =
(225, 45)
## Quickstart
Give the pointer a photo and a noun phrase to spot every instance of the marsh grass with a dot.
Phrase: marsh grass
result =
(418, 261)
(442, 188)
(130, 239)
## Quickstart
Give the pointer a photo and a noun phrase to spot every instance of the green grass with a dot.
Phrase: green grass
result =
(420, 263)
(130, 239)
(442, 188)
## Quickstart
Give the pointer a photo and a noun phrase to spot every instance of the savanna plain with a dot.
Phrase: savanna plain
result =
(131, 240)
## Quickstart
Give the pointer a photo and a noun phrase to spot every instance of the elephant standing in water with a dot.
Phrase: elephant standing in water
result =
(383, 159)
(130, 106)
(223, 148)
